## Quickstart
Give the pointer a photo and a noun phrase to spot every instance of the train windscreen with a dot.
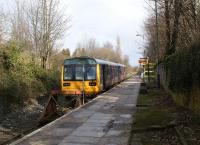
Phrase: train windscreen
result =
(79, 73)
(76, 72)
(68, 73)
(90, 72)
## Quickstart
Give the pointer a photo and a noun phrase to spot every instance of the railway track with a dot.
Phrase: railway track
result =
(62, 106)
(5, 136)
(8, 136)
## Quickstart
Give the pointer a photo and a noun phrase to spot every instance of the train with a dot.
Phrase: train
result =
(89, 75)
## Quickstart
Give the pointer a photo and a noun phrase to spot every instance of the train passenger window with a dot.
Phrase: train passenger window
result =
(90, 73)
(79, 73)
(68, 75)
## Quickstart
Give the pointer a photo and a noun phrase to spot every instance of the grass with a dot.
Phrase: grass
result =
(153, 115)
(148, 99)
(149, 140)
(150, 117)
(156, 108)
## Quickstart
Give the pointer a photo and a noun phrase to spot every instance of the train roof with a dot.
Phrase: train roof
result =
(100, 61)
(89, 60)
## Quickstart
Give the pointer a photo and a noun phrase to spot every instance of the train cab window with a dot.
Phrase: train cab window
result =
(68, 75)
(79, 73)
(90, 72)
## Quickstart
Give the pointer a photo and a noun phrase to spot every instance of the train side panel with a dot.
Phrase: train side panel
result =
(111, 75)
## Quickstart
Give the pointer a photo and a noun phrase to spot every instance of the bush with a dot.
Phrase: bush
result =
(184, 71)
(21, 78)
(49, 78)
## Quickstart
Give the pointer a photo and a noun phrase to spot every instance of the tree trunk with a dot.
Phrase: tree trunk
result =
(177, 7)
(167, 22)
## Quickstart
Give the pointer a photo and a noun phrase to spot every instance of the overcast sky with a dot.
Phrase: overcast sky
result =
(104, 20)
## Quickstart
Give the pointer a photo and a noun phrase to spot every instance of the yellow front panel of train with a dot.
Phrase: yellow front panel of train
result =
(75, 87)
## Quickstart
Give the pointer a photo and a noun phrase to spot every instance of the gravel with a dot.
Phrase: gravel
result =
(21, 119)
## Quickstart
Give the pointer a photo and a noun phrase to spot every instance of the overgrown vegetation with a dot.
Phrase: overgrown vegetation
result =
(21, 78)
(184, 73)
(178, 33)
(156, 123)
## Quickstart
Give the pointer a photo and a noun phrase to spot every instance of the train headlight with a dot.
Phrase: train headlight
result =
(92, 83)
(66, 84)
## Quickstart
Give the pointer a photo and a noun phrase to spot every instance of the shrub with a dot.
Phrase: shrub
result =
(184, 71)
(21, 78)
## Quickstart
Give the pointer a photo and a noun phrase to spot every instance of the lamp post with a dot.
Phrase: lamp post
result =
(139, 35)
(157, 47)
(157, 42)
(144, 51)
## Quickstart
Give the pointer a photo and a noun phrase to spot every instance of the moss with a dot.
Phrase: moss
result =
(148, 98)
(152, 116)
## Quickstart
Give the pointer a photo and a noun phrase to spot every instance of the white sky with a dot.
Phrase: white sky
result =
(104, 20)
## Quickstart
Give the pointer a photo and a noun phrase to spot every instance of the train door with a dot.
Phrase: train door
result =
(101, 77)
(104, 76)
(120, 74)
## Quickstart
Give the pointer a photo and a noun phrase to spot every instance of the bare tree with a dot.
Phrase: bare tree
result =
(107, 51)
(92, 46)
(48, 24)
(58, 57)
(167, 22)
(172, 18)
(177, 13)
(3, 26)
(19, 27)
(1, 29)
(118, 49)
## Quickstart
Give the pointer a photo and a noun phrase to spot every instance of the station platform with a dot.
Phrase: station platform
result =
(106, 120)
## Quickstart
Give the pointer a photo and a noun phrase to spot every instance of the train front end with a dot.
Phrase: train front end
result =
(80, 75)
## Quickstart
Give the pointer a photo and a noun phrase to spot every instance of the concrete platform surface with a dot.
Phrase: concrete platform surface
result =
(106, 120)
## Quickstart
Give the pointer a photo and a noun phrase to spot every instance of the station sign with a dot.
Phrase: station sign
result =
(143, 61)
